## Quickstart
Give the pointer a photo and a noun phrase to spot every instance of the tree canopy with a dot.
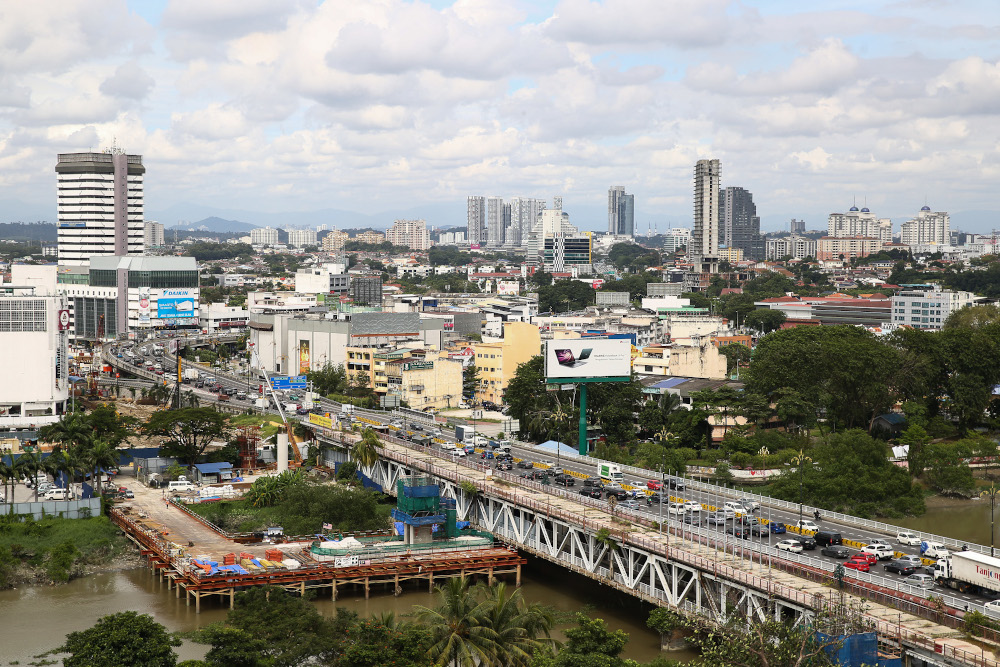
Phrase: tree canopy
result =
(188, 431)
(125, 638)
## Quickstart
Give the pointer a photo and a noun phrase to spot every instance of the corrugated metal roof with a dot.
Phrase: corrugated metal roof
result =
(212, 468)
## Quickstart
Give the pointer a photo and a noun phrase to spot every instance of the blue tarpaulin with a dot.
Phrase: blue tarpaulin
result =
(552, 445)
(399, 527)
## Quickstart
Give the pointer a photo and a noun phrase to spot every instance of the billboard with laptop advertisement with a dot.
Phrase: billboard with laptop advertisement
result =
(588, 358)
(174, 308)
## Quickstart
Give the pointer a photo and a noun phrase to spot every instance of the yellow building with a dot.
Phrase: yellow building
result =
(731, 254)
(425, 380)
(373, 238)
(497, 361)
(380, 361)
(334, 241)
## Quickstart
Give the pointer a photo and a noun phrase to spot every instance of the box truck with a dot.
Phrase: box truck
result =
(609, 472)
(464, 433)
(969, 572)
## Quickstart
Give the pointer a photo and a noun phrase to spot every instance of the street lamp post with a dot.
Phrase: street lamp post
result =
(800, 461)
(991, 493)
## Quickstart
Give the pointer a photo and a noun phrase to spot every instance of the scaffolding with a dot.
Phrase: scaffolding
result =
(247, 443)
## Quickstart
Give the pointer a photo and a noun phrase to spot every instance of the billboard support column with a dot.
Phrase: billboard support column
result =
(583, 419)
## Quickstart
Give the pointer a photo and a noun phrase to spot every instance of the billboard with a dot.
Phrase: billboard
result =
(63, 320)
(174, 304)
(320, 420)
(304, 366)
(588, 358)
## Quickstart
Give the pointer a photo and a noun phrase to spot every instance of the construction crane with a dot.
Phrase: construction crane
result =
(296, 456)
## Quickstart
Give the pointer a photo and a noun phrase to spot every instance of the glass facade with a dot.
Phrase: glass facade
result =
(152, 279)
(95, 316)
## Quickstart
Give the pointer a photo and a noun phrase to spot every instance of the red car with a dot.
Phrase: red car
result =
(859, 565)
(871, 559)
(653, 485)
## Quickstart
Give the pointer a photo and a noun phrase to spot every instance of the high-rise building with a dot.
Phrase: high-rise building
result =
(740, 225)
(621, 212)
(370, 237)
(704, 248)
(264, 236)
(929, 227)
(334, 241)
(100, 205)
(497, 220)
(676, 238)
(477, 220)
(412, 234)
(153, 234)
(797, 247)
(797, 226)
(859, 223)
(524, 212)
(299, 238)
(927, 308)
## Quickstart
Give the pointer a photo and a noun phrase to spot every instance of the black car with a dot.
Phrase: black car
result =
(903, 567)
(618, 494)
(590, 482)
(806, 541)
(564, 480)
(739, 531)
(835, 551)
(591, 493)
(676, 483)
(503, 465)
(760, 530)
(525, 464)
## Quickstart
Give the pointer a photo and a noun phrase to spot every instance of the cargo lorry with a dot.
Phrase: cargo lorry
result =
(500, 446)
(969, 572)
(190, 375)
(464, 433)
(609, 472)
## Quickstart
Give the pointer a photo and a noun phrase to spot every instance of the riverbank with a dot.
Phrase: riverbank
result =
(55, 550)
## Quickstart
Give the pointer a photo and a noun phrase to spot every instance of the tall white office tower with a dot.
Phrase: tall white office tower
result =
(524, 212)
(99, 205)
(477, 220)
(704, 249)
(621, 212)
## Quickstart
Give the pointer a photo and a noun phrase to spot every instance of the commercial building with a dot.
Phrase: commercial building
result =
(425, 380)
(740, 224)
(331, 278)
(153, 235)
(830, 248)
(621, 212)
(731, 255)
(613, 299)
(703, 250)
(702, 359)
(222, 318)
(497, 361)
(34, 325)
(125, 295)
(297, 343)
(411, 234)
(796, 247)
(797, 227)
(676, 238)
(99, 206)
(859, 223)
(477, 220)
(929, 227)
(366, 290)
(334, 241)
(927, 306)
(264, 236)
(300, 238)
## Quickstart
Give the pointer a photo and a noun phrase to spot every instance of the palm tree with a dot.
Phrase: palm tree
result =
(72, 430)
(191, 398)
(102, 455)
(55, 463)
(365, 451)
(604, 537)
(518, 625)
(9, 476)
(456, 625)
(28, 464)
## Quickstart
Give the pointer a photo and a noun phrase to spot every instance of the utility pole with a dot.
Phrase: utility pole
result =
(991, 493)
(800, 461)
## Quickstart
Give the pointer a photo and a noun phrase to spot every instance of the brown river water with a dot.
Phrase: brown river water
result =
(37, 618)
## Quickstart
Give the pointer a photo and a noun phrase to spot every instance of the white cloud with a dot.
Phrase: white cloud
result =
(129, 81)
(631, 23)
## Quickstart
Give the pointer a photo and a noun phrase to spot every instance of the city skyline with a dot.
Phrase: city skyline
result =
(305, 106)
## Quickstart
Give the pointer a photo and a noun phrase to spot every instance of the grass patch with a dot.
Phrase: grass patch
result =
(303, 511)
(55, 549)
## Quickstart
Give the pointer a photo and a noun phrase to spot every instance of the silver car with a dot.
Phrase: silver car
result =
(909, 558)
(920, 580)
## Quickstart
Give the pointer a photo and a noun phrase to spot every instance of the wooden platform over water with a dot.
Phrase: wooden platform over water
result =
(173, 563)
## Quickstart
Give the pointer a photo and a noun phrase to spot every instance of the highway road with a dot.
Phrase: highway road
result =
(710, 497)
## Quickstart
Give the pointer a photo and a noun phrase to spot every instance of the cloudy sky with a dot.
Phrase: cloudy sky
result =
(374, 105)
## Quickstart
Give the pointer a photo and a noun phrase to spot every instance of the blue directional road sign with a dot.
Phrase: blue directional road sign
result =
(285, 382)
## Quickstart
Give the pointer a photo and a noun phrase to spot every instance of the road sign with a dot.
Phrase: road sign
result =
(285, 382)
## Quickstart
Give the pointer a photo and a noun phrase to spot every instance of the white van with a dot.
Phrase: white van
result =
(57, 494)
(181, 487)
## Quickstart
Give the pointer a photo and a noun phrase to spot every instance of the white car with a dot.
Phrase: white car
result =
(458, 452)
(993, 608)
(790, 545)
(911, 539)
(675, 508)
(934, 550)
(692, 505)
(735, 507)
(879, 540)
(882, 551)
(806, 524)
